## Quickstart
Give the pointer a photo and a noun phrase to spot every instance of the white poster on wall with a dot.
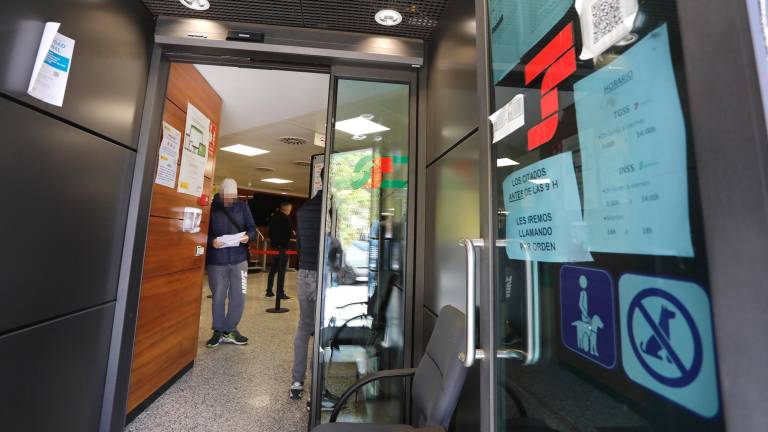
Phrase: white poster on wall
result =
(194, 155)
(169, 156)
(52, 64)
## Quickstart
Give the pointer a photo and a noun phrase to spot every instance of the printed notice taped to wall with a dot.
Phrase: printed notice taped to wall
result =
(169, 156)
(52, 64)
(194, 157)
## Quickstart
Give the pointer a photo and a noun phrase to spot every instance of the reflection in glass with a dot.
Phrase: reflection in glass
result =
(362, 295)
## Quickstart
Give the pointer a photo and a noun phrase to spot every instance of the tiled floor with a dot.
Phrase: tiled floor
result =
(236, 388)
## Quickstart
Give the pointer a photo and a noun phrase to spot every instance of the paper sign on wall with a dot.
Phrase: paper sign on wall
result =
(52, 65)
(194, 156)
(633, 152)
(509, 118)
(544, 212)
(169, 156)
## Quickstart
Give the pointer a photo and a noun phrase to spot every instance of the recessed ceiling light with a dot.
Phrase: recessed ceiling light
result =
(200, 5)
(359, 137)
(378, 138)
(264, 169)
(276, 180)
(506, 162)
(388, 17)
(244, 150)
(360, 126)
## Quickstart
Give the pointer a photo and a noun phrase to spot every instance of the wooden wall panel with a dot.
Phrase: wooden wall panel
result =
(169, 250)
(171, 292)
(166, 331)
(168, 203)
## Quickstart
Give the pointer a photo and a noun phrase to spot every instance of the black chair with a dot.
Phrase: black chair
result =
(437, 381)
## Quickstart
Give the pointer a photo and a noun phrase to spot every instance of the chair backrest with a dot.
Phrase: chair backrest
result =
(440, 375)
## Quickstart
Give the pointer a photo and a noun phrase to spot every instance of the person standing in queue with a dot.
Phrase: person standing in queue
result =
(280, 231)
(308, 238)
(227, 264)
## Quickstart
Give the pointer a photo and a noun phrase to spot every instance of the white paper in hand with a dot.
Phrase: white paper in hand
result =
(231, 240)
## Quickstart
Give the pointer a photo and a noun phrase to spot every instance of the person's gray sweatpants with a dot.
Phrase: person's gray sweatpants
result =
(307, 293)
(228, 281)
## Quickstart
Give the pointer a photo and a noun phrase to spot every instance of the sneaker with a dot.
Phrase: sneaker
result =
(297, 389)
(285, 297)
(215, 339)
(235, 337)
(270, 294)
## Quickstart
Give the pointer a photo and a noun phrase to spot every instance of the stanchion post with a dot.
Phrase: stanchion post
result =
(277, 309)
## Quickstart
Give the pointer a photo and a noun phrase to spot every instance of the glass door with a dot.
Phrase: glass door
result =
(364, 285)
(600, 297)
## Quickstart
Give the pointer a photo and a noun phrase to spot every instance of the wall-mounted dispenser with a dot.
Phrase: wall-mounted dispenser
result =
(192, 217)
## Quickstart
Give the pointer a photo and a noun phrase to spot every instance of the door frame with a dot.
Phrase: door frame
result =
(730, 183)
(401, 75)
(202, 42)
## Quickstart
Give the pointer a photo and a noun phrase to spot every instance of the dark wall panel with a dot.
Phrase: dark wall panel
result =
(453, 209)
(64, 218)
(109, 66)
(453, 102)
(53, 374)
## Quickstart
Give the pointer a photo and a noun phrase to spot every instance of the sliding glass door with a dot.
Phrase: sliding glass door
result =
(364, 285)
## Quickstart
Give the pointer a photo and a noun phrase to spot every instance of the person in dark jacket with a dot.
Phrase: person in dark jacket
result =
(280, 232)
(227, 264)
(308, 237)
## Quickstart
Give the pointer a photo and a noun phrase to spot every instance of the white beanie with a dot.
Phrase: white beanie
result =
(229, 187)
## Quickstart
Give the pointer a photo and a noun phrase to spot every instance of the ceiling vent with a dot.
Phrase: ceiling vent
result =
(302, 163)
(264, 169)
(292, 140)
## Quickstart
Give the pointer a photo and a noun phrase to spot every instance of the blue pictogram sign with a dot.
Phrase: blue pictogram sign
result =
(587, 323)
(666, 340)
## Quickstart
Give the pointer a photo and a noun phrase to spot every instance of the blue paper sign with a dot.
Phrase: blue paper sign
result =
(667, 345)
(633, 149)
(587, 323)
(544, 220)
(517, 25)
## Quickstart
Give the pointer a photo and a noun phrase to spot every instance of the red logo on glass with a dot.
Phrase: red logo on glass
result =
(557, 61)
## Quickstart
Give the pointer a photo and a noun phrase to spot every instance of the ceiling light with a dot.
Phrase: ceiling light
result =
(367, 116)
(503, 162)
(541, 181)
(360, 126)
(378, 138)
(199, 5)
(359, 137)
(276, 180)
(244, 150)
(388, 17)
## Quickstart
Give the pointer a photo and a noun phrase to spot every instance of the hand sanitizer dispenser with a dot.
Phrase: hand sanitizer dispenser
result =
(192, 217)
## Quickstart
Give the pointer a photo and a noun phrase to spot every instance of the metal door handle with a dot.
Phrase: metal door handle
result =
(533, 328)
(470, 352)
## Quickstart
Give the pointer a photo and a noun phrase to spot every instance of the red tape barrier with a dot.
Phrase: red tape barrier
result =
(271, 252)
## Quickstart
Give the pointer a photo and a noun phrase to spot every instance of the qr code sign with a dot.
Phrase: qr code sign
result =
(606, 16)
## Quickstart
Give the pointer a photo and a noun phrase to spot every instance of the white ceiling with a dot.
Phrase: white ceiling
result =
(259, 107)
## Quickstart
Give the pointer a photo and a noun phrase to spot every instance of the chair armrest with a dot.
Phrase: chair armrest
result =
(352, 304)
(391, 373)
